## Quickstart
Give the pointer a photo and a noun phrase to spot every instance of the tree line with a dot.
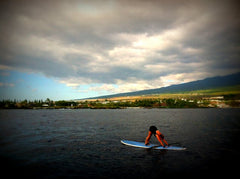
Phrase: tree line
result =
(50, 104)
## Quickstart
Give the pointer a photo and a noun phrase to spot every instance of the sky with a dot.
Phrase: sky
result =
(77, 49)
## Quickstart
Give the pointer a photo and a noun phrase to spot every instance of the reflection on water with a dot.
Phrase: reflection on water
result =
(86, 143)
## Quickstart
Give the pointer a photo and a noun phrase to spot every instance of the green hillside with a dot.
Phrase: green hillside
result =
(214, 85)
(233, 91)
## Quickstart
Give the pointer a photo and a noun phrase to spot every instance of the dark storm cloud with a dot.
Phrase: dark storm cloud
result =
(119, 42)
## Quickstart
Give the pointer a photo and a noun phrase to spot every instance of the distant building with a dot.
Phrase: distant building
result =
(214, 98)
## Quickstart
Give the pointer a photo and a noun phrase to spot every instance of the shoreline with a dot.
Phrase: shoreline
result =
(227, 101)
(122, 108)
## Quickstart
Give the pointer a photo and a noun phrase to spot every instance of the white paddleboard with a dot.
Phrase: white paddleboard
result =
(153, 146)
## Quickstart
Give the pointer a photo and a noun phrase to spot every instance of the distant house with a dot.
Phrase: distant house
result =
(45, 105)
(105, 102)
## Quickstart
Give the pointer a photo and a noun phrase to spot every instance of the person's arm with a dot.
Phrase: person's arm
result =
(159, 136)
(148, 138)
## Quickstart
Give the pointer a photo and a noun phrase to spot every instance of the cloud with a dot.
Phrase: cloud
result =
(7, 84)
(121, 45)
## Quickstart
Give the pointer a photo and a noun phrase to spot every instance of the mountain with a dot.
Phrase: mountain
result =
(208, 83)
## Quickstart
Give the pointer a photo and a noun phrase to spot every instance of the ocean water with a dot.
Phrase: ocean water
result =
(86, 143)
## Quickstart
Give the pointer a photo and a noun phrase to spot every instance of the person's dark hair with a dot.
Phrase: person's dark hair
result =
(153, 129)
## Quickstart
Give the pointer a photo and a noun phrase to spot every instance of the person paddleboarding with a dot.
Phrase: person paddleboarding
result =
(154, 131)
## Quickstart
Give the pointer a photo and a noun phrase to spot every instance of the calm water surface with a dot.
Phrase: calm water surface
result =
(86, 143)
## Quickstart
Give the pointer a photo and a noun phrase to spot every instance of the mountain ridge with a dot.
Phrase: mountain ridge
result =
(204, 84)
